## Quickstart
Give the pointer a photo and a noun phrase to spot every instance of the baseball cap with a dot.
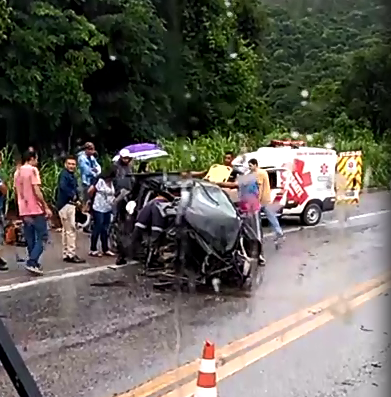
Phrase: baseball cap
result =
(125, 153)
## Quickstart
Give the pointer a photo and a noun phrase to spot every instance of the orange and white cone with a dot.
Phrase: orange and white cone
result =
(206, 381)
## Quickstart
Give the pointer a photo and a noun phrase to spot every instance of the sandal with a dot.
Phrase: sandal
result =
(95, 254)
(109, 253)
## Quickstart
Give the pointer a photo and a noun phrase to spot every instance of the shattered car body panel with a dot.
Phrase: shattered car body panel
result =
(206, 234)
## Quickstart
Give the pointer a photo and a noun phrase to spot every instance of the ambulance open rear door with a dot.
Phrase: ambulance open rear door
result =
(278, 190)
(349, 177)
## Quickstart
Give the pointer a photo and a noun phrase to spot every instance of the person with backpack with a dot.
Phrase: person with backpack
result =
(67, 201)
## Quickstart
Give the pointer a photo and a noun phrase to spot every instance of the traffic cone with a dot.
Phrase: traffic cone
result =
(206, 381)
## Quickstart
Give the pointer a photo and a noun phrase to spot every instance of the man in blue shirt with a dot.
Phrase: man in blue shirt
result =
(3, 193)
(67, 200)
(89, 168)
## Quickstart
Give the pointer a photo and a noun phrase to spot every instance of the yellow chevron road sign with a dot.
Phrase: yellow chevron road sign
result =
(349, 177)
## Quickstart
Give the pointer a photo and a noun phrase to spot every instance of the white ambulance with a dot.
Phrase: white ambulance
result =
(302, 178)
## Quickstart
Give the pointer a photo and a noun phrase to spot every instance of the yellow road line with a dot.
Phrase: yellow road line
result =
(243, 361)
(173, 376)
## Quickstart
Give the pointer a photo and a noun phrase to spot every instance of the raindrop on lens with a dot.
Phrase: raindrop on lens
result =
(304, 94)
(193, 158)
(187, 95)
(330, 138)
(233, 55)
(295, 134)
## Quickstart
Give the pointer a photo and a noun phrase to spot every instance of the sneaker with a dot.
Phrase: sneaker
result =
(37, 270)
(74, 259)
(3, 265)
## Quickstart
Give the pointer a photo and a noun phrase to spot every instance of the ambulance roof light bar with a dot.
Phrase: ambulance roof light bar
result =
(292, 144)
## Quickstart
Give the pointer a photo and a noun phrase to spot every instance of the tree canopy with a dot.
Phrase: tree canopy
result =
(121, 71)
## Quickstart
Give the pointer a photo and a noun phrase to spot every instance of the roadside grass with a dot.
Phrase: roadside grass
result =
(204, 151)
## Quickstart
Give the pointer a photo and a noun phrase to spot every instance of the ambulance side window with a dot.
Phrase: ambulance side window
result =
(272, 179)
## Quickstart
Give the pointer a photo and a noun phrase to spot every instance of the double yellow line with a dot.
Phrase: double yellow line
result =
(246, 351)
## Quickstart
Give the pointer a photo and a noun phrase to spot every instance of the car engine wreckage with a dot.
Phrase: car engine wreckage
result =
(187, 230)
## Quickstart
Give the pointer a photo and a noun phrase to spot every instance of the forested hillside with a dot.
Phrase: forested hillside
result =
(119, 71)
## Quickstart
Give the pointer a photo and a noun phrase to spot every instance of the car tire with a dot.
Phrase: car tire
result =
(311, 215)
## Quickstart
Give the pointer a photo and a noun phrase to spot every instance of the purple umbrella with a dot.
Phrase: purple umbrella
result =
(144, 151)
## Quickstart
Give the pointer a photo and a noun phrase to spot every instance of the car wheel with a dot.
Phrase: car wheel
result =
(311, 215)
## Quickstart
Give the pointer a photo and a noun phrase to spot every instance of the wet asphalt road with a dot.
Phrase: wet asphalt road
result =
(82, 337)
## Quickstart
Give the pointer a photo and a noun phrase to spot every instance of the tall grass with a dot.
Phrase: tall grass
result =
(204, 151)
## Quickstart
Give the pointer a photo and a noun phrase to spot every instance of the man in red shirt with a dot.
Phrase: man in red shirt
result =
(32, 209)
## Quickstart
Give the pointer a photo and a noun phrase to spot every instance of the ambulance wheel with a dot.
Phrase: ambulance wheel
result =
(311, 215)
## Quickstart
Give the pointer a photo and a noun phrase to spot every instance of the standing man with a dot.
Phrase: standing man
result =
(264, 196)
(3, 193)
(33, 210)
(123, 167)
(89, 169)
(122, 183)
(228, 158)
(67, 200)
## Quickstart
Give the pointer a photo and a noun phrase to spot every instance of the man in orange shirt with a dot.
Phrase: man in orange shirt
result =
(264, 196)
(32, 209)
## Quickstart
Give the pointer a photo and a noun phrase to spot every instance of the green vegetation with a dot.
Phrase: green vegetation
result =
(200, 76)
